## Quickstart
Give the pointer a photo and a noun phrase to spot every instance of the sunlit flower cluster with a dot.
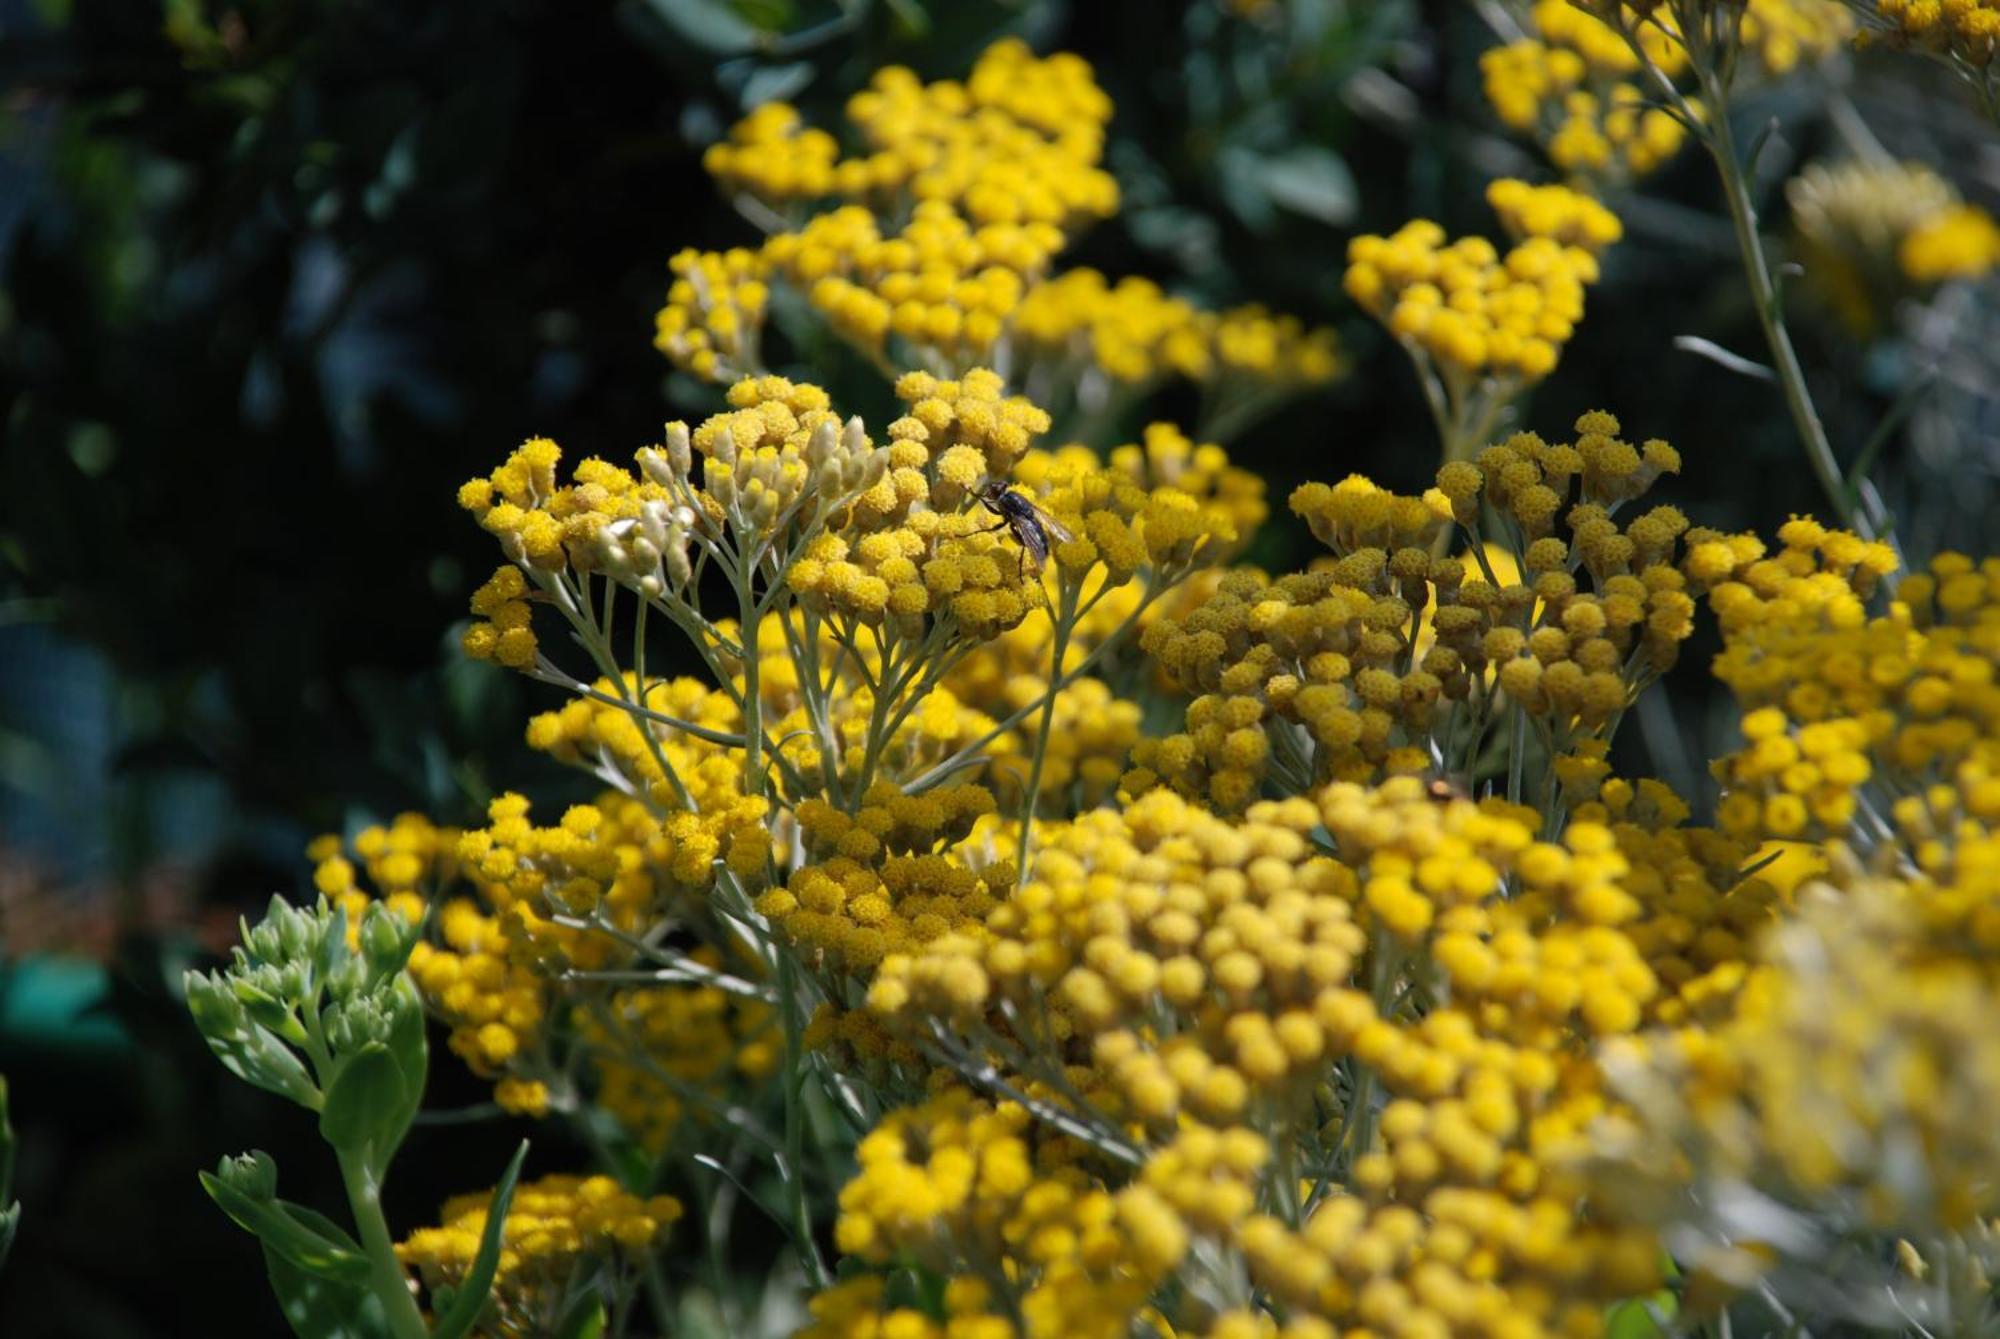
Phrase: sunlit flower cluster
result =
(1846, 1099)
(659, 1053)
(1018, 141)
(1376, 661)
(1469, 314)
(933, 247)
(1966, 31)
(1833, 697)
(1136, 333)
(715, 311)
(1210, 980)
(1573, 84)
(1860, 224)
(554, 1227)
(1959, 242)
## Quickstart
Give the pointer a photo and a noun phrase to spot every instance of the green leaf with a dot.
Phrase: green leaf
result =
(585, 1319)
(1639, 1317)
(258, 1058)
(1311, 181)
(333, 952)
(6, 1145)
(410, 1049)
(368, 1105)
(311, 1242)
(709, 23)
(318, 1307)
(457, 1319)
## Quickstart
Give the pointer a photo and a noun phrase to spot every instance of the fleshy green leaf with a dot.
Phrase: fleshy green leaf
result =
(318, 1307)
(367, 1105)
(311, 1242)
(258, 1058)
(457, 1319)
(410, 1049)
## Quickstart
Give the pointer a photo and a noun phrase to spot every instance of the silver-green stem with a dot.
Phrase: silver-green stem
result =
(753, 705)
(964, 755)
(386, 1277)
(1770, 312)
(1065, 621)
(795, 1074)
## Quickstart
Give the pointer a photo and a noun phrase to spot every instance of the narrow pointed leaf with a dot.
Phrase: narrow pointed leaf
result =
(457, 1320)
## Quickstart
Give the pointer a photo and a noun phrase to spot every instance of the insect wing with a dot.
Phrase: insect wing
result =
(1034, 544)
(1055, 530)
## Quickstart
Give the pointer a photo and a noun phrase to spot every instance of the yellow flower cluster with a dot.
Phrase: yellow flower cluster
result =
(984, 180)
(966, 424)
(1835, 699)
(1092, 729)
(604, 520)
(1855, 221)
(777, 453)
(883, 880)
(946, 287)
(554, 1227)
(1850, 1092)
(1204, 974)
(1471, 312)
(859, 1307)
(1966, 30)
(1136, 333)
(1961, 242)
(1347, 670)
(715, 310)
(1165, 457)
(1017, 142)
(1783, 34)
(406, 862)
(959, 1180)
(1556, 212)
(469, 971)
(503, 626)
(1572, 85)
(650, 1047)
(593, 734)
(1778, 35)
(1576, 85)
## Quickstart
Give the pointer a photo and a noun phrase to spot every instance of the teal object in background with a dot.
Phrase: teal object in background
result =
(56, 1002)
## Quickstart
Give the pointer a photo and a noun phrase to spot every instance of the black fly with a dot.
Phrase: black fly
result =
(1034, 529)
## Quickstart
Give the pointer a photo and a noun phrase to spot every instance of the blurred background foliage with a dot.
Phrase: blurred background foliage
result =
(277, 275)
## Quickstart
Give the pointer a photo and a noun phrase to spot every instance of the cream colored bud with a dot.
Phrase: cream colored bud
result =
(653, 464)
(723, 447)
(652, 522)
(680, 453)
(825, 439)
